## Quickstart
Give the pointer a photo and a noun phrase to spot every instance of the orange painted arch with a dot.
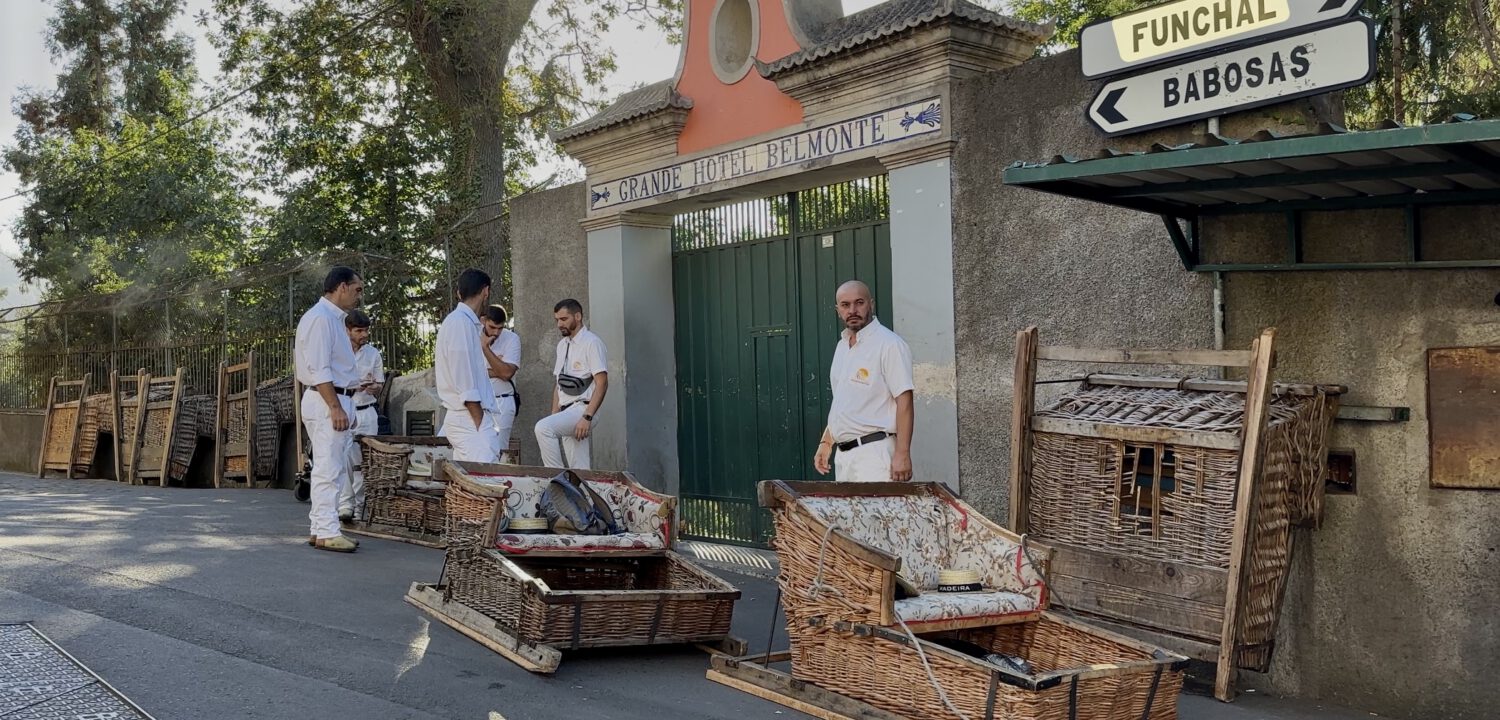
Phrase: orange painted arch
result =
(723, 114)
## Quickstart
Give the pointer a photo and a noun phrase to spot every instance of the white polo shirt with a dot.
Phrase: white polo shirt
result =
(369, 366)
(322, 350)
(580, 355)
(507, 347)
(459, 370)
(866, 380)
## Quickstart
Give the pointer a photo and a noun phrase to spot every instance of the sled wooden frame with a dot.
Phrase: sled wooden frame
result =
(538, 658)
(152, 462)
(127, 417)
(752, 674)
(61, 455)
(1260, 362)
(229, 404)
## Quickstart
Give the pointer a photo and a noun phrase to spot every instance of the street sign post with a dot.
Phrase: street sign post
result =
(1317, 61)
(1177, 29)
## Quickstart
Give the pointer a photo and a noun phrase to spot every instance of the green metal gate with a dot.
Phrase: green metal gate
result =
(756, 328)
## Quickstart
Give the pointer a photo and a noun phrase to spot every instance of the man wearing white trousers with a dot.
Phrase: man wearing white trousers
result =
(325, 365)
(581, 383)
(871, 418)
(369, 367)
(502, 354)
(462, 376)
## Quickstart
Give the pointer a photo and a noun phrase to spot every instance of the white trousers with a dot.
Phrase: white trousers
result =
(560, 449)
(330, 461)
(867, 463)
(505, 421)
(352, 492)
(471, 444)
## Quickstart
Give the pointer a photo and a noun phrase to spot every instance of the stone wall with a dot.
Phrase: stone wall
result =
(22, 430)
(1392, 604)
(549, 261)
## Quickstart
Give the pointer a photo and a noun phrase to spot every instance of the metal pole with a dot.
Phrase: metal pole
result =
(168, 343)
(291, 310)
(114, 339)
(67, 350)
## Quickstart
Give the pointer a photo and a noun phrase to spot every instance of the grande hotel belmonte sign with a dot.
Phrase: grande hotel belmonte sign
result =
(856, 133)
(1200, 58)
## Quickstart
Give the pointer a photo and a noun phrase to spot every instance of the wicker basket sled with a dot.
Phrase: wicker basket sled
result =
(1180, 494)
(530, 597)
(860, 649)
(401, 505)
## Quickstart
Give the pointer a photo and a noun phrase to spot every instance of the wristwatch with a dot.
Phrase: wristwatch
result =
(588, 417)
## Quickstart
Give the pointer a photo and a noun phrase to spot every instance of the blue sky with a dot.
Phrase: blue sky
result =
(643, 56)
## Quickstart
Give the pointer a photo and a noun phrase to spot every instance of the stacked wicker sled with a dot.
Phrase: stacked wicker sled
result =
(529, 594)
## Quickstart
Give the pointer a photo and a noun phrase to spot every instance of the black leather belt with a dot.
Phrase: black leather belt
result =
(357, 408)
(506, 395)
(866, 440)
(347, 392)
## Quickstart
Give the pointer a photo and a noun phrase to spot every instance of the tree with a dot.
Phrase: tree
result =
(1434, 58)
(457, 95)
(128, 188)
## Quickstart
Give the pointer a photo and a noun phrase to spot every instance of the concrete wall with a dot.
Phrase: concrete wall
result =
(22, 430)
(1392, 605)
(549, 260)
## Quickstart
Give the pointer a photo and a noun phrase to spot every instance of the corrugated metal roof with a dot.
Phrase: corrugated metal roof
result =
(891, 18)
(634, 104)
(1456, 159)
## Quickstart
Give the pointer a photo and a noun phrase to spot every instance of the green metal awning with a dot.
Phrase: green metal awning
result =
(1452, 163)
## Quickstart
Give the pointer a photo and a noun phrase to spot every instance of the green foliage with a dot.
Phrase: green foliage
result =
(1449, 53)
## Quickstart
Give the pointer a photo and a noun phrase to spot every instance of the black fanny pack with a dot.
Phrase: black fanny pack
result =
(573, 385)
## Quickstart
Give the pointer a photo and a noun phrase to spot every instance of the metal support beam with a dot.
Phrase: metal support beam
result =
(1251, 183)
(1294, 237)
(1413, 218)
(1186, 252)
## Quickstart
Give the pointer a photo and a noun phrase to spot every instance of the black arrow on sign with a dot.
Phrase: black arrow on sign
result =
(1332, 5)
(1107, 110)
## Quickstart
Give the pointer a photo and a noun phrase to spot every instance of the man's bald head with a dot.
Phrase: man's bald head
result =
(854, 304)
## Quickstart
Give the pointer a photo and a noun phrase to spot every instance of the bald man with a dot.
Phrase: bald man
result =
(870, 422)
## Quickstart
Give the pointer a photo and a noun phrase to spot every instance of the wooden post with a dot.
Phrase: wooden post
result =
(166, 452)
(47, 418)
(138, 425)
(221, 424)
(114, 411)
(1023, 397)
(83, 393)
(250, 419)
(1257, 398)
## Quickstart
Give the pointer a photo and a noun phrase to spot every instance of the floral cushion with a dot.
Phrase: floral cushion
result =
(929, 535)
(521, 544)
(933, 606)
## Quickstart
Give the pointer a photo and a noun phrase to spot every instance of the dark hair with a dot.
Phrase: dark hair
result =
(496, 314)
(356, 318)
(471, 282)
(571, 305)
(338, 276)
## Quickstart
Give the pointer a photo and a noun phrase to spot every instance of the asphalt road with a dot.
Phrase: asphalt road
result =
(204, 604)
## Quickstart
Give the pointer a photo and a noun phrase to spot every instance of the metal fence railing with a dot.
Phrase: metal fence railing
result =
(24, 374)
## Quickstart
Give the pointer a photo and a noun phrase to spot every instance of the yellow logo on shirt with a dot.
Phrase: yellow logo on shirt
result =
(863, 374)
(577, 365)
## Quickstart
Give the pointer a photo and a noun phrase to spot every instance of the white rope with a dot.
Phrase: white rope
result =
(817, 588)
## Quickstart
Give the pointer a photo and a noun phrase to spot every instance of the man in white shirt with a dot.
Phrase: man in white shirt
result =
(325, 365)
(502, 353)
(462, 376)
(871, 419)
(369, 367)
(580, 383)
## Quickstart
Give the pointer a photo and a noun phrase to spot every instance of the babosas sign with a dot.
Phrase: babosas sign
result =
(1318, 61)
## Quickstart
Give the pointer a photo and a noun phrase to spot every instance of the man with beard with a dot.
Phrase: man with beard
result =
(325, 365)
(581, 383)
(871, 419)
(502, 353)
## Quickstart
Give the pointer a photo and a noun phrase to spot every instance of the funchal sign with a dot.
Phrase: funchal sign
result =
(857, 133)
(1305, 47)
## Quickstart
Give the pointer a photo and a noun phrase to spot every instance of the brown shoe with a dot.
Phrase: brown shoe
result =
(312, 541)
(336, 544)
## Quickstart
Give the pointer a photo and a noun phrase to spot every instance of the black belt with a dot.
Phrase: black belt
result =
(506, 395)
(347, 392)
(357, 408)
(866, 440)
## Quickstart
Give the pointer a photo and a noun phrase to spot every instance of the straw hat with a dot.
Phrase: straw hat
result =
(958, 581)
(419, 469)
(528, 525)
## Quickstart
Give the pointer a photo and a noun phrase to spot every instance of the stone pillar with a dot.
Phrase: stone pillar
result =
(922, 292)
(631, 309)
